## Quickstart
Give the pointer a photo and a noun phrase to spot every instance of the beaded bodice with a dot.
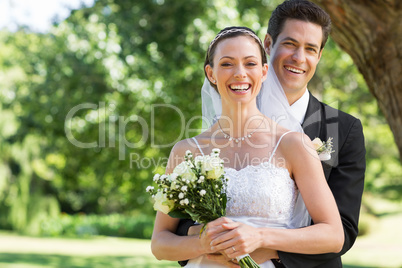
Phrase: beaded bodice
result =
(263, 191)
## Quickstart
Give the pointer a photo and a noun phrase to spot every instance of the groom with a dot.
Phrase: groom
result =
(297, 33)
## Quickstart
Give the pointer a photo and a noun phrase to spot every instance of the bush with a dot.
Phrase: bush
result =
(81, 225)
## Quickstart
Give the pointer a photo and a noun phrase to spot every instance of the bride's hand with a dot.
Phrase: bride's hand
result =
(239, 239)
(213, 230)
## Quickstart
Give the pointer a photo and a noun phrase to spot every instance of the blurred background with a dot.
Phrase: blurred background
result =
(94, 94)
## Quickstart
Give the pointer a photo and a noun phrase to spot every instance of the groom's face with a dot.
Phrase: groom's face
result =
(295, 55)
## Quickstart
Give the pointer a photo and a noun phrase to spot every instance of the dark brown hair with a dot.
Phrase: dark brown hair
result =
(300, 10)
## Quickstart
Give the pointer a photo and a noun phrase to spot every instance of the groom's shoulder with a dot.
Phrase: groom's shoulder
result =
(334, 114)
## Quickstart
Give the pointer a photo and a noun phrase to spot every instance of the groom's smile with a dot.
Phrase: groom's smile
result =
(294, 70)
(295, 56)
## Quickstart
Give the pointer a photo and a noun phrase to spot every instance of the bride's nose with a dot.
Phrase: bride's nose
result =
(240, 72)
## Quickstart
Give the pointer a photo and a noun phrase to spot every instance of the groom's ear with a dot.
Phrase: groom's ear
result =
(268, 43)
(320, 54)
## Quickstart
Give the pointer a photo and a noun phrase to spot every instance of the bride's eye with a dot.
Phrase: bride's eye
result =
(251, 64)
(226, 64)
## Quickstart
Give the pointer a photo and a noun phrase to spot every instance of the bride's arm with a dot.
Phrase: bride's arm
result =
(326, 235)
(165, 244)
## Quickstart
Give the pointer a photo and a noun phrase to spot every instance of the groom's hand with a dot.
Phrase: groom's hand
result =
(223, 260)
(262, 255)
(195, 229)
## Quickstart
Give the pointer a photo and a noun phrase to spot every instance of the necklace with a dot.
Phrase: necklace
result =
(237, 140)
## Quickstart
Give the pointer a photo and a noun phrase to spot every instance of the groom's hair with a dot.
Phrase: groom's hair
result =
(300, 10)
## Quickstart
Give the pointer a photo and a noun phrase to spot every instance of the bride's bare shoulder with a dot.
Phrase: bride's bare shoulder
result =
(296, 142)
(191, 144)
(182, 146)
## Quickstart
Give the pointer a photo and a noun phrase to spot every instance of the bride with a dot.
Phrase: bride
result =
(268, 167)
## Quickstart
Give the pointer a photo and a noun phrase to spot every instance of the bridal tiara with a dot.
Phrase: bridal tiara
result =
(236, 30)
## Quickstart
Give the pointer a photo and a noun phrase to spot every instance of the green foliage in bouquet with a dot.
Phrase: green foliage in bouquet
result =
(195, 190)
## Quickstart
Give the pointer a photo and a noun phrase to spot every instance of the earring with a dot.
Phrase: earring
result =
(213, 81)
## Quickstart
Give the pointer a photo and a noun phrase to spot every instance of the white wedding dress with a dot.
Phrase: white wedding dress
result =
(261, 196)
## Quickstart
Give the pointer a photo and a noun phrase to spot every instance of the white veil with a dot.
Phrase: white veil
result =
(272, 102)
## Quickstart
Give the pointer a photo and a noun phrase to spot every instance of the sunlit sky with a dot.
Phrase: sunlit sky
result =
(38, 15)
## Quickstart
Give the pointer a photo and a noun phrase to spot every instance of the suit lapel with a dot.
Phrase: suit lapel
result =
(313, 121)
(314, 125)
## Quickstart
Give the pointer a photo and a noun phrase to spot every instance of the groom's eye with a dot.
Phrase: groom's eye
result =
(312, 49)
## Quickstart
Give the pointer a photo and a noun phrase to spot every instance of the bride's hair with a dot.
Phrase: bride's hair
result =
(230, 32)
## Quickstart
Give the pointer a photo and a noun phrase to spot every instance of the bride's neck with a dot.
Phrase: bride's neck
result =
(241, 120)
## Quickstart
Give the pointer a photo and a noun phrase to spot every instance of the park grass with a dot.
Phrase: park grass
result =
(380, 248)
(32, 252)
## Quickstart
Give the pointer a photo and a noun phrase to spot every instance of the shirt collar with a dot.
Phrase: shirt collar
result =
(299, 107)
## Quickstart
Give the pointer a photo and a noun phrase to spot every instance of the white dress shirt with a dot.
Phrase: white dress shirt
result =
(299, 107)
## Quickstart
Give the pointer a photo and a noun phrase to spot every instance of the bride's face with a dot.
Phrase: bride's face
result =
(238, 69)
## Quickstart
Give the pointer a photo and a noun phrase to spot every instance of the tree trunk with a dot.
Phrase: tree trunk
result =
(370, 31)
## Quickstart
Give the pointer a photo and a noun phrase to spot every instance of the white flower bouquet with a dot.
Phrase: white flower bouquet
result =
(323, 148)
(195, 190)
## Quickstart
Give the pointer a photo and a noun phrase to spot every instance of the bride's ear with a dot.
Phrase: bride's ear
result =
(264, 72)
(209, 73)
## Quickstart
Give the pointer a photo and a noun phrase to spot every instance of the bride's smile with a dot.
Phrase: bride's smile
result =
(237, 69)
(240, 88)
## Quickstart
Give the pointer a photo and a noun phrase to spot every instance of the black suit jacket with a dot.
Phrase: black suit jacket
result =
(344, 173)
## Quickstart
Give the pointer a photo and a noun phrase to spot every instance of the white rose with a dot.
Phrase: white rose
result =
(317, 143)
(185, 171)
(163, 204)
(173, 176)
(212, 167)
(203, 192)
(324, 156)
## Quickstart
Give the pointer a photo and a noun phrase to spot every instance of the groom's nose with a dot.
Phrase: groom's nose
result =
(299, 55)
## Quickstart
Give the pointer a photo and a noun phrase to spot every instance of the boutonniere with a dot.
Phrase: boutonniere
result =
(323, 148)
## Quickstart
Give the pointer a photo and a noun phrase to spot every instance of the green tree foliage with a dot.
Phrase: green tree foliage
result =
(89, 111)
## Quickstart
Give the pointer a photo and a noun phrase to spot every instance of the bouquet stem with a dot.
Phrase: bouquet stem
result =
(246, 261)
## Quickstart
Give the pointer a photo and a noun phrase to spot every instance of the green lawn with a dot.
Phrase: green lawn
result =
(381, 248)
(31, 252)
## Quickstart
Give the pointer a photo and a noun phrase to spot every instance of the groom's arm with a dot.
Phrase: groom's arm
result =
(182, 230)
(346, 182)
